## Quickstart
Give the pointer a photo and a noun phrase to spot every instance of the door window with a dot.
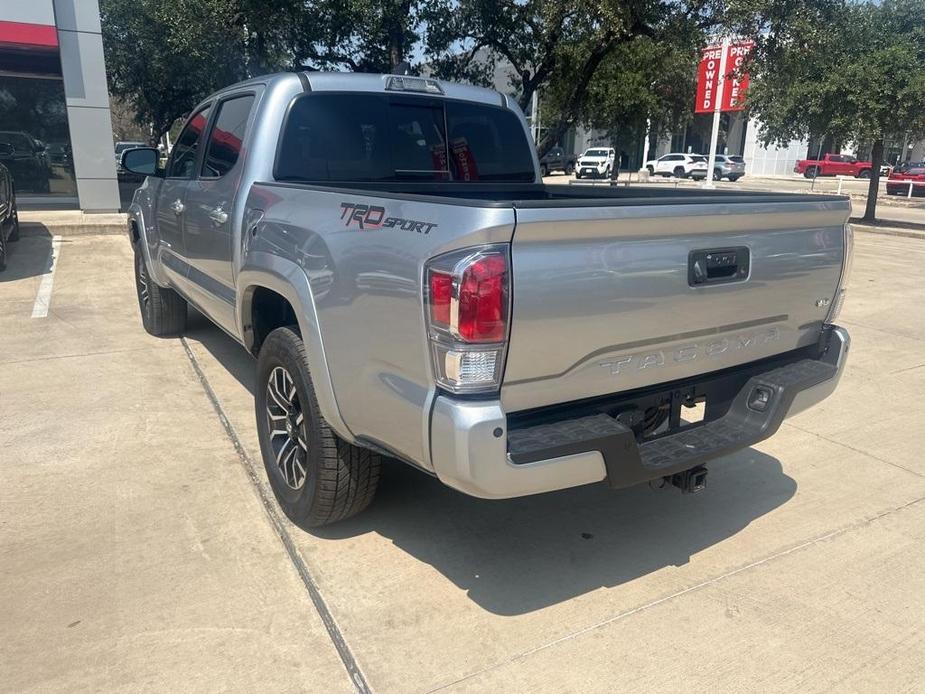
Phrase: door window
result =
(227, 136)
(183, 161)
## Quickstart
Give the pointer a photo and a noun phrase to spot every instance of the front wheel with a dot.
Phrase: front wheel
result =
(577, 174)
(651, 170)
(679, 171)
(544, 171)
(717, 175)
(569, 169)
(163, 311)
(317, 477)
(810, 172)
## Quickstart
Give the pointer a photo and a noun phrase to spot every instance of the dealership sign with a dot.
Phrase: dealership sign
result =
(728, 93)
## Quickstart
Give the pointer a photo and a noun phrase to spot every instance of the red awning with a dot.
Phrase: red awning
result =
(25, 35)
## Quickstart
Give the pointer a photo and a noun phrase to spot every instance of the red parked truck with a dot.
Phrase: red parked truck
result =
(833, 165)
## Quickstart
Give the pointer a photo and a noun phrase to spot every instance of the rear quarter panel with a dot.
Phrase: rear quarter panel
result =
(366, 289)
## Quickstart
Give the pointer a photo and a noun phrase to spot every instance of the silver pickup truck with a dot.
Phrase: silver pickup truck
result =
(411, 290)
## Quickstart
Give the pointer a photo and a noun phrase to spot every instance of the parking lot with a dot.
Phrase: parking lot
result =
(140, 548)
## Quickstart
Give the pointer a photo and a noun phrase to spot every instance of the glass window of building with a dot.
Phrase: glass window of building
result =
(33, 117)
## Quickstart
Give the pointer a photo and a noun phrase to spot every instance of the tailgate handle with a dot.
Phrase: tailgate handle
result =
(717, 265)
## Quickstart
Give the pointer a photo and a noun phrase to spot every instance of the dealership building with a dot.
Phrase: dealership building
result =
(55, 118)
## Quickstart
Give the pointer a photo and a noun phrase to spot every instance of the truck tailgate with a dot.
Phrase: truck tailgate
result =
(606, 299)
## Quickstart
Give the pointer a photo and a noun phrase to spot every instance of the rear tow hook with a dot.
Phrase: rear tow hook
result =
(690, 481)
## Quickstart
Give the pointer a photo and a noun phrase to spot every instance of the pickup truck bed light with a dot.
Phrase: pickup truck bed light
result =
(413, 84)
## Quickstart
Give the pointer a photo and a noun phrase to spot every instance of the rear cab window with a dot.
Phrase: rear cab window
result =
(348, 137)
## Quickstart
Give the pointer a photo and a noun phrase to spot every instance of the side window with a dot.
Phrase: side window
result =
(836, 158)
(183, 159)
(227, 136)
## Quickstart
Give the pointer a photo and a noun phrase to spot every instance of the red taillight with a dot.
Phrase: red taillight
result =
(468, 292)
(483, 301)
(441, 293)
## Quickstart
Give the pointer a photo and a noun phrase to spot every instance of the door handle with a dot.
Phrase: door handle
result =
(218, 215)
(177, 207)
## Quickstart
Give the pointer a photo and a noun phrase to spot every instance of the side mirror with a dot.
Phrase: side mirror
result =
(141, 161)
(6, 149)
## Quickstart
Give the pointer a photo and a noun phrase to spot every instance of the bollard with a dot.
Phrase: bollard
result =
(909, 194)
(840, 181)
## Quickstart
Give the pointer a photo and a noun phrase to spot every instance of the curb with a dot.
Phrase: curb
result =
(77, 229)
(889, 231)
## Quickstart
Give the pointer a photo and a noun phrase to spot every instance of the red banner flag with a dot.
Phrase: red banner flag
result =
(708, 73)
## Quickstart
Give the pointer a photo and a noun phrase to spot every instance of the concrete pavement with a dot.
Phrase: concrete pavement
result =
(136, 552)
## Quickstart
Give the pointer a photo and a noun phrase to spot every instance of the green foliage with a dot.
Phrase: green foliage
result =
(164, 56)
(361, 35)
(855, 72)
(852, 71)
(601, 62)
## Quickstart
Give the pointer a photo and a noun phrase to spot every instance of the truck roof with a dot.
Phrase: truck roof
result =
(371, 82)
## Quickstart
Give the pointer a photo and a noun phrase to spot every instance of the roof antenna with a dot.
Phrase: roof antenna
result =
(403, 68)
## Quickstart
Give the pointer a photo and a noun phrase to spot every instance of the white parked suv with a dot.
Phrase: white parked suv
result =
(679, 165)
(596, 162)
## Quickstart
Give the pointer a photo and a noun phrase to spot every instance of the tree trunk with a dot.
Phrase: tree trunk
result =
(876, 158)
(566, 117)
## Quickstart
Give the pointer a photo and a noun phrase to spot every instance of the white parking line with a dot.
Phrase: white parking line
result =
(43, 298)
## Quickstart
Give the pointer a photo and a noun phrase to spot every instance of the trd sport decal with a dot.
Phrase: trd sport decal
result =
(369, 217)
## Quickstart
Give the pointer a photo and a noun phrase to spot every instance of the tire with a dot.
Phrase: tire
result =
(810, 172)
(651, 170)
(569, 169)
(733, 179)
(321, 479)
(679, 172)
(163, 311)
(577, 174)
(544, 171)
(717, 175)
(14, 233)
(2, 251)
(864, 173)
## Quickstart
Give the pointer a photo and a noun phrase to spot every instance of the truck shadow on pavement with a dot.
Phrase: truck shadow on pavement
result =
(520, 555)
(30, 256)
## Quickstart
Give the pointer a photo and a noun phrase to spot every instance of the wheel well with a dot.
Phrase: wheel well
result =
(269, 311)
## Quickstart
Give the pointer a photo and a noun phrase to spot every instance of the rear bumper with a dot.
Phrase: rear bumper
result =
(472, 450)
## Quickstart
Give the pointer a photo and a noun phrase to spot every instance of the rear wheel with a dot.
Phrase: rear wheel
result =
(163, 311)
(733, 179)
(864, 173)
(317, 477)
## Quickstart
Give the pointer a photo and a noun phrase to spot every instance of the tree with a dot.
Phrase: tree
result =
(564, 46)
(361, 35)
(164, 56)
(849, 71)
